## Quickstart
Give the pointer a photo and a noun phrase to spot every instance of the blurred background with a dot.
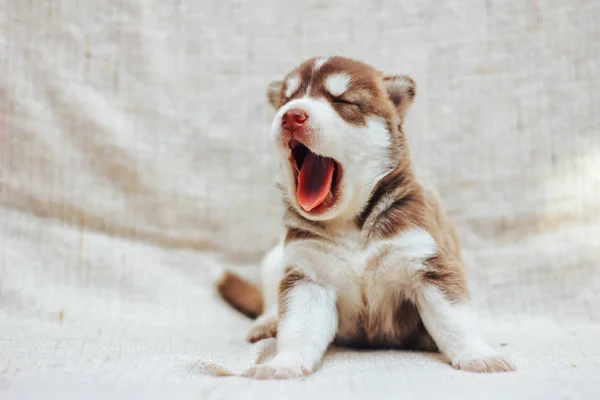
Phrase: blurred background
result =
(135, 165)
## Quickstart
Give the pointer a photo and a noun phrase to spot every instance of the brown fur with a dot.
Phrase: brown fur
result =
(441, 227)
(408, 332)
(412, 206)
(291, 278)
(299, 234)
(241, 294)
(448, 275)
(407, 204)
(446, 268)
(397, 203)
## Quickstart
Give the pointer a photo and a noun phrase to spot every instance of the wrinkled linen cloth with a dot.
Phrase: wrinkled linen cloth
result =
(135, 166)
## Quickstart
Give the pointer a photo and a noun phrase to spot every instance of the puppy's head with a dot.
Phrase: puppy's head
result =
(338, 132)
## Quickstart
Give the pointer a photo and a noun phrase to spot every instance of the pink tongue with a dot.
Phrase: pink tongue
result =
(314, 180)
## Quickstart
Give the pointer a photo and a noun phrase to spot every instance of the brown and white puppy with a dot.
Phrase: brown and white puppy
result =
(369, 257)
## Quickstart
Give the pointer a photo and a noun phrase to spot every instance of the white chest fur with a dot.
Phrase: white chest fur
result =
(371, 279)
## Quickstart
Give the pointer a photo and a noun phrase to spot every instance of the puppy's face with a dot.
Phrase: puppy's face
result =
(337, 130)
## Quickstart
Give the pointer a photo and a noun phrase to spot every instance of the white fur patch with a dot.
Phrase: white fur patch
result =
(416, 243)
(291, 85)
(308, 326)
(337, 84)
(319, 63)
(452, 326)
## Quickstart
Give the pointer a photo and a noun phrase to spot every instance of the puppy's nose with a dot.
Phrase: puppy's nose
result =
(293, 119)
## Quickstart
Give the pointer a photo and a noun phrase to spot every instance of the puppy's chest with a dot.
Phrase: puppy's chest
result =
(362, 273)
(365, 267)
(373, 282)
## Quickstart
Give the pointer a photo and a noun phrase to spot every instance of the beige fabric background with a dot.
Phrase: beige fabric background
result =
(135, 165)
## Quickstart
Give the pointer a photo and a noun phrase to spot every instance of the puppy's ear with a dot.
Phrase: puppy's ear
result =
(274, 93)
(401, 89)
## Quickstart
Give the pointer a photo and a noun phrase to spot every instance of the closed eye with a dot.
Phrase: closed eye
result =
(337, 100)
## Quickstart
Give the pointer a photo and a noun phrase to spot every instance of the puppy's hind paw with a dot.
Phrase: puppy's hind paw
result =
(262, 330)
(494, 363)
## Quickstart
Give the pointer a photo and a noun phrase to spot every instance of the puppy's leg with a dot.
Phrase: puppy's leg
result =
(271, 273)
(452, 326)
(308, 322)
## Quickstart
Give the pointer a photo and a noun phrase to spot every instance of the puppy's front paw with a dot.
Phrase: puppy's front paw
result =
(278, 368)
(486, 364)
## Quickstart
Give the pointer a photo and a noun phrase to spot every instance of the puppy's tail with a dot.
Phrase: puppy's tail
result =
(240, 294)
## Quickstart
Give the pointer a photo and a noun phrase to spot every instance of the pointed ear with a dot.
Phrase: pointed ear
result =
(401, 89)
(273, 93)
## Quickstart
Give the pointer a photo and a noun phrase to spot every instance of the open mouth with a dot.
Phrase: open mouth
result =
(317, 178)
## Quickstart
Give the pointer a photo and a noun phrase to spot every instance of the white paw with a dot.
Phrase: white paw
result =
(262, 329)
(484, 363)
(279, 368)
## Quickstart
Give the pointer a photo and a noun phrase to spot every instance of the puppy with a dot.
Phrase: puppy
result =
(369, 257)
